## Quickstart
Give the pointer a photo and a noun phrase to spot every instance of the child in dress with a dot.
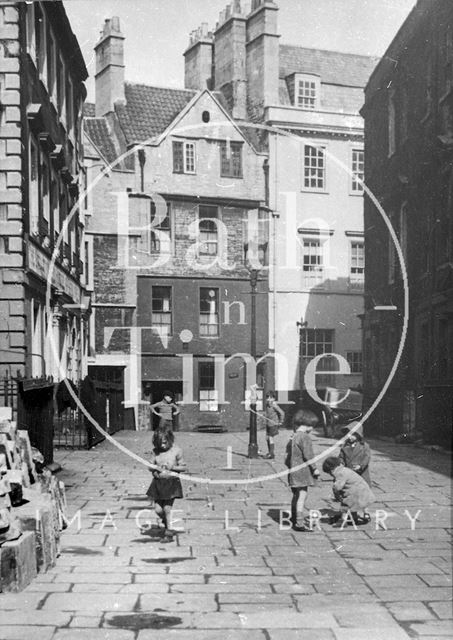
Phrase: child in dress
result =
(355, 454)
(351, 490)
(299, 450)
(165, 486)
(274, 417)
(166, 409)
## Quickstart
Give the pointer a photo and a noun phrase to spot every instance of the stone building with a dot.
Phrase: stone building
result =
(174, 224)
(41, 96)
(305, 104)
(409, 148)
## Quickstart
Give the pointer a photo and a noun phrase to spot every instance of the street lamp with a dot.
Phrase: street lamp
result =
(253, 433)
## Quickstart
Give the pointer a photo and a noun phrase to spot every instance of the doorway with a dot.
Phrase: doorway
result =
(153, 391)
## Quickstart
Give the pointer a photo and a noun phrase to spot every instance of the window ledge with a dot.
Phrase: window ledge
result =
(320, 191)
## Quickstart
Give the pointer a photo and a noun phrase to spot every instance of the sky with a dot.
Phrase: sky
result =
(157, 31)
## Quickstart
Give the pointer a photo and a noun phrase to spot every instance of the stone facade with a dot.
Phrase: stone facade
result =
(409, 142)
(298, 102)
(180, 164)
(41, 92)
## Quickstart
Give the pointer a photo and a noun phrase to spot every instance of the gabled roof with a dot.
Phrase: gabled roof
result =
(333, 67)
(100, 135)
(149, 110)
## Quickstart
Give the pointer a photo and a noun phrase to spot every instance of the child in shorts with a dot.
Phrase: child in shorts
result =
(299, 453)
(274, 417)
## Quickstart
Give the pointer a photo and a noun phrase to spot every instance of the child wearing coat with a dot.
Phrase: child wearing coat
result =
(274, 417)
(299, 451)
(351, 490)
(165, 486)
(355, 453)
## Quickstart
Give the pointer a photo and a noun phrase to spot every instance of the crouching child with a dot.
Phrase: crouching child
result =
(351, 490)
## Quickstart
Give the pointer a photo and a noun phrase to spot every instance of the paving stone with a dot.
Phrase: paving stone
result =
(94, 634)
(87, 602)
(201, 634)
(433, 628)
(437, 580)
(178, 602)
(416, 593)
(413, 611)
(387, 633)
(86, 621)
(442, 609)
(300, 634)
(19, 632)
(288, 619)
(25, 600)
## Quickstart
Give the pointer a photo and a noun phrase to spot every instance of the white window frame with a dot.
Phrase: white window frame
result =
(165, 312)
(324, 363)
(355, 187)
(186, 145)
(212, 315)
(208, 399)
(208, 238)
(301, 81)
(313, 273)
(320, 149)
(356, 279)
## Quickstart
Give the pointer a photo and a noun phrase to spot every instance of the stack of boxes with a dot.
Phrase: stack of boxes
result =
(32, 509)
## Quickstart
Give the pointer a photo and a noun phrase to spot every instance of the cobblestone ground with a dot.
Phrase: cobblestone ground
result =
(243, 578)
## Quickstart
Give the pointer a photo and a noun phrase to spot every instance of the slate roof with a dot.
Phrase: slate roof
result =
(99, 133)
(346, 69)
(149, 110)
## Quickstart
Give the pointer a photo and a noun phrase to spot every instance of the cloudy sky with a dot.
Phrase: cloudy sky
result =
(157, 30)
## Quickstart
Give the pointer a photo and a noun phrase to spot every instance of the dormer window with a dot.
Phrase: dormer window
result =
(306, 93)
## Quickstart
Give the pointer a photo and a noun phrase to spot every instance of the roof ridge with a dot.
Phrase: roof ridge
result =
(156, 86)
(342, 53)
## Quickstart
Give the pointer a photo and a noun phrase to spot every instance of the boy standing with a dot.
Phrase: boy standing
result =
(303, 472)
(274, 417)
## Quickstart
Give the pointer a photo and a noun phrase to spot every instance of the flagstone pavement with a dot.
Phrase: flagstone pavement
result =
(236, 572)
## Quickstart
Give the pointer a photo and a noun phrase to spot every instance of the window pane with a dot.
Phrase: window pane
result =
(207, 216)
(161, 306)
(178, 157)
(231, 159)
(357, 169)
(209, 312)
(314, 167)
(190, 157)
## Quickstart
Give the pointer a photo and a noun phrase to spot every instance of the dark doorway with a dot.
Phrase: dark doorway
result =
(153, 391)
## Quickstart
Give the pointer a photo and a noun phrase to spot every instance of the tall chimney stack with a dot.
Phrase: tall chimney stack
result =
(262, 61)
(198, 59)
(109, 78)
(229, 58)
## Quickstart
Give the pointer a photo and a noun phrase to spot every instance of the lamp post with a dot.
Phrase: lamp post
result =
(253, 434)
